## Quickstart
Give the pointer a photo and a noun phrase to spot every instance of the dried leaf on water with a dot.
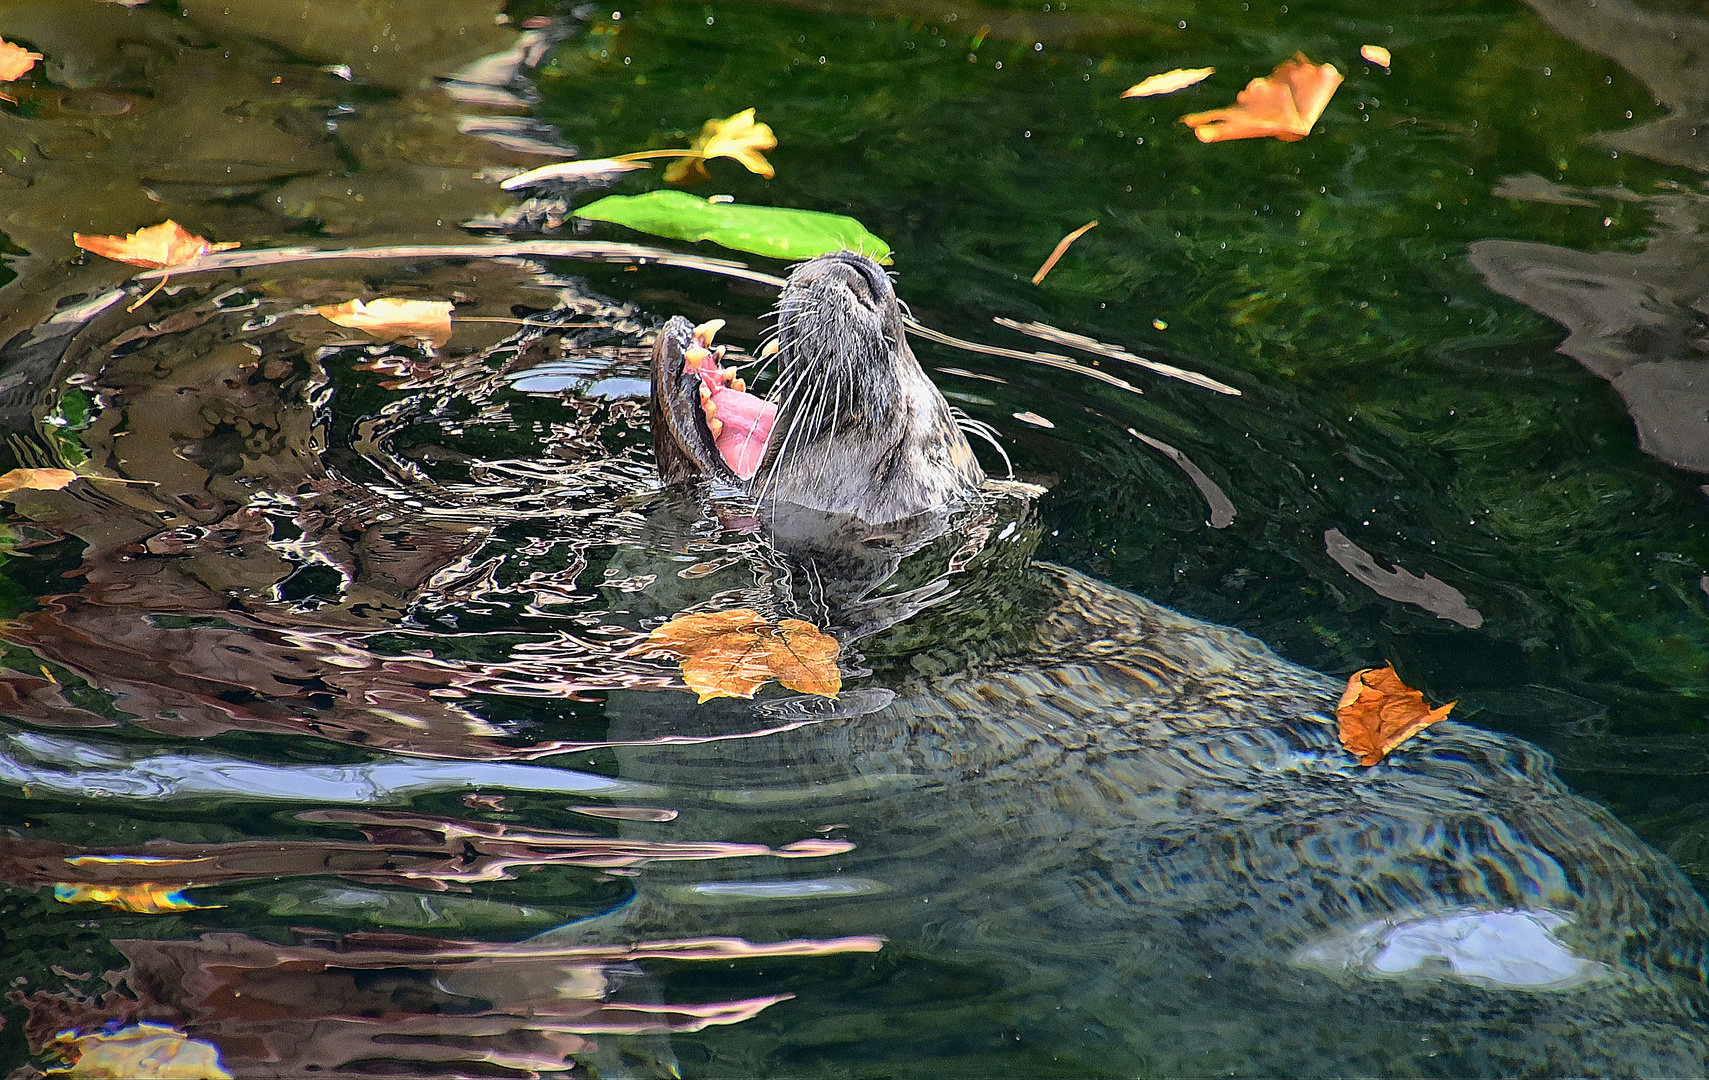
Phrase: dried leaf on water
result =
(15, 61)
(1378, 712)
(389, 319)
(144, 1051)
(144, 899)
(1376, 54)
(1169, 82)
(740, 137)
(35, 480)
(1282, 105)
(1062, 246)
(156, 247)
(734, 653)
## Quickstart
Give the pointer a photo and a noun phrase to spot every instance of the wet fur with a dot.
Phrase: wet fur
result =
(860, 429)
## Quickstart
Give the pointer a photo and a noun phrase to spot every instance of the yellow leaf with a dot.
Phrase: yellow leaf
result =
(35, 480)
(144, 1051)
(15, 61)
(1376, 54)
(739, 137)
(144, 899)
(1283, 105)
(389, 320)
(1378, 712)
(734, 653)
(156, 247)
(1169, 82)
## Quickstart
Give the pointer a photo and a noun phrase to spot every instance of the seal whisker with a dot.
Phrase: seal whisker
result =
(984, 431)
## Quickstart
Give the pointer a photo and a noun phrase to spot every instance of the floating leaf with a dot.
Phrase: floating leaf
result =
(144, 899)
(1283, 105)
(565, 171)
(15, 61)
(144, 1051)
(1169, 82)
(734, 653)
(35, 480)
(739, 137)
(1062, 245)
(761, 230)
(157, 247)
(1378, 712)
(1376, 54)
(388, 319)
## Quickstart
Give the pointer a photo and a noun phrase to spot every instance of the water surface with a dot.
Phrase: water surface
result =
(357, 654)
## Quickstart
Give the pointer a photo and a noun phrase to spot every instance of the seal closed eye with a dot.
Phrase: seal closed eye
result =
(858, 428)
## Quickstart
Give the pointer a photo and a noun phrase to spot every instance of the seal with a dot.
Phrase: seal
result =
(1166, 786)
(854, 427)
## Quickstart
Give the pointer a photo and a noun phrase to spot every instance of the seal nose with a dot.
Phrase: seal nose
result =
(865, 277)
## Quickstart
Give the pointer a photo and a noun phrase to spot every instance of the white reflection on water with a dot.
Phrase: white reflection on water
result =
(1508, 949)
(45, 764)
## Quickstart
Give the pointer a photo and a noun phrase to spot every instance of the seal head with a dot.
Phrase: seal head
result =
(857, 429)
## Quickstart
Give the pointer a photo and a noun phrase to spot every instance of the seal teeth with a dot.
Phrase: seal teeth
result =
(769, 348)
(716, 425)
(704, 333)
(739, 385)
(694, 356)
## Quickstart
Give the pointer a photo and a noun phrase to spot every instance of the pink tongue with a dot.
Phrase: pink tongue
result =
(747, 425)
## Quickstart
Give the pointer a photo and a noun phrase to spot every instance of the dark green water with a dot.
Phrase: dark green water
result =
(354, 558)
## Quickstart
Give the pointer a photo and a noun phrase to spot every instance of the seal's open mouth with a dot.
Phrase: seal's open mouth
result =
(740, 422)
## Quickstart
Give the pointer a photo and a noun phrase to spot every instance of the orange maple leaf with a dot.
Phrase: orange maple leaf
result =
(158, 247)
(1169, 82)
(1378, 712)
(734, 653)
(15, 61)
(1283, 105)
(389, 319)
(1376, 54)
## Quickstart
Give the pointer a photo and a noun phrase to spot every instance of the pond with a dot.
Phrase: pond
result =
(331, 741)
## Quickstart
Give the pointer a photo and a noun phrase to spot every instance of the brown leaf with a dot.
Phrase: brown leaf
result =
(15, 61)
(156, 247)
(1169, 82)
(1378, 712)
(35, 480)
(740, 137)
(734, 653)
(388, 319)
(1283, 105)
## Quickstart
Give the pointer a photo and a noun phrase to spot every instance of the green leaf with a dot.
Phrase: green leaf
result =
(760, 230)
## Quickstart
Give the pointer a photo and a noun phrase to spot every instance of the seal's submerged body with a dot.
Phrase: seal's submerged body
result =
(1172, 795)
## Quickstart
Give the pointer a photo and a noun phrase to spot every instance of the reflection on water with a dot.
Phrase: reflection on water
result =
(395, 1004)
(328, 737)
